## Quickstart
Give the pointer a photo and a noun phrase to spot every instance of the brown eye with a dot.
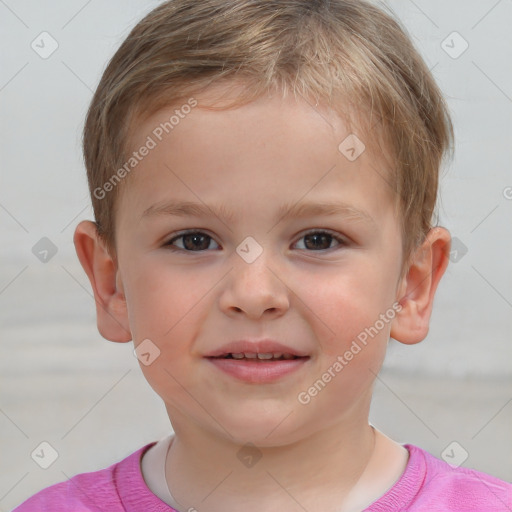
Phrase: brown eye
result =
(195, 241)
(320, 241)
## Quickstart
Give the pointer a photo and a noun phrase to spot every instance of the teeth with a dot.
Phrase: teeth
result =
(261, 356)
(265, 356)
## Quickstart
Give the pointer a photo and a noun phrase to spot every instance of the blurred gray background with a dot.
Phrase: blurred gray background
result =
(61, 383)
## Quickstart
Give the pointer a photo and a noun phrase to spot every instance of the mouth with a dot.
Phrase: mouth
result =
(257, 350)
(259, 357)
(261, 361)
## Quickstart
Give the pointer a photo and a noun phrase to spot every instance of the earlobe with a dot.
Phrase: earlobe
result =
(418, 287)
(111, 311)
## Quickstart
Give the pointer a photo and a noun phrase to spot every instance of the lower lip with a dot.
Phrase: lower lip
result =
(258, 372)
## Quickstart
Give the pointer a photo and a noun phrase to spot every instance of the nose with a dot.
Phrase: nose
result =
(254, 289)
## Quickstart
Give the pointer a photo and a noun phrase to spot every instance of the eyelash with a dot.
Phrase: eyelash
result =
(169, 244)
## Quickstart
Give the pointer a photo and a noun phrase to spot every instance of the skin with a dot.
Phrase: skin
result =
(254, 159)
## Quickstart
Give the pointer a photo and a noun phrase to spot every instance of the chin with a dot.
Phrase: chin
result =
(263, 428)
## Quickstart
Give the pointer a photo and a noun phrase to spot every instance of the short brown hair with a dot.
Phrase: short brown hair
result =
(329, 50)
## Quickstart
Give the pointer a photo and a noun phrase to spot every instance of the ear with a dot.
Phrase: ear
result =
(111, 310)
(417, 288)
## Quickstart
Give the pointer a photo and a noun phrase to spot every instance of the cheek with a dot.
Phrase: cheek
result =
(347, 307)
(165, 307)
(162, 300)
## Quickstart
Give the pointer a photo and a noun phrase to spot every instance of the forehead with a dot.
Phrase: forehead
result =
(269, 151)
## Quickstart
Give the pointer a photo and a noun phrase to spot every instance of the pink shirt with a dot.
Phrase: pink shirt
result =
(427, 485)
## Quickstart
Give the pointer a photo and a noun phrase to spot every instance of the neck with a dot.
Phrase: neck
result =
(321, 472)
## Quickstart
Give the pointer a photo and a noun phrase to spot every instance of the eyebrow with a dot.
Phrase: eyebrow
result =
(286, 211)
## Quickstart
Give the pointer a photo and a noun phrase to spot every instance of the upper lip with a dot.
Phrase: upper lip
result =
(264, 346)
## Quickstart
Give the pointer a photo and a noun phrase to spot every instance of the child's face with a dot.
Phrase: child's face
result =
(258, 162)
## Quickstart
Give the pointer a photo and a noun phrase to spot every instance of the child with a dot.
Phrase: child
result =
(226, 144)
